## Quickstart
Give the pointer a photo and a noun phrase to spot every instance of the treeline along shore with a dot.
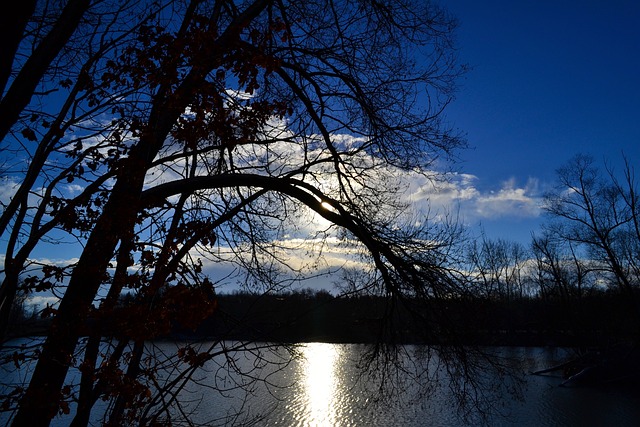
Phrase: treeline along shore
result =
(599, 319)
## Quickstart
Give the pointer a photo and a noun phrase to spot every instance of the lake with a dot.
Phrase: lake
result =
(324, 387)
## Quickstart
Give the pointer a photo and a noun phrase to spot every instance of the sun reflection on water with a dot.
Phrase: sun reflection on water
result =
(320, 383)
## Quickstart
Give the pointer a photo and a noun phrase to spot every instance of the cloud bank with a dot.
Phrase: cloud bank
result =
(461, 193)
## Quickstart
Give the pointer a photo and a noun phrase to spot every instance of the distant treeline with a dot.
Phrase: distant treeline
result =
(597, 319)
(304, 316)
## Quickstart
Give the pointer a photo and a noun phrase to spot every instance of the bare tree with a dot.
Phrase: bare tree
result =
(497, 268)
(197, 131)
(58, 137)
(596, 213)
(561, 271)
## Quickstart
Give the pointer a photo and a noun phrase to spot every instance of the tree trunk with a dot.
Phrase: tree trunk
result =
(12, 27)
(19, 94)
(43, 397)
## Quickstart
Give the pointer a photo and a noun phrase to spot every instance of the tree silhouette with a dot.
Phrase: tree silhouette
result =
(597, 212)
(165, 135)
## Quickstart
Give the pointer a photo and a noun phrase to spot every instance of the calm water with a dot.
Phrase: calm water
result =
(324, 388)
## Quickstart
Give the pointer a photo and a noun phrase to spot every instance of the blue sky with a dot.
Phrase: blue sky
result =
(549, 79)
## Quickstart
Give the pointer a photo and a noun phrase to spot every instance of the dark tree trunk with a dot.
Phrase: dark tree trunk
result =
(42, 399)
(12, 27)
(21, 90)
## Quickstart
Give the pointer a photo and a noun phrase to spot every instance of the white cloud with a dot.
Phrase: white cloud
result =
(39, 302)
(460, 192)
(432, 192)
(511, 201)
(8, 187)
(73, 189)
(58, 262)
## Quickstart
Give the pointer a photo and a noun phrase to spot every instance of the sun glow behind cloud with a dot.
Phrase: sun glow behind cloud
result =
(312, 243)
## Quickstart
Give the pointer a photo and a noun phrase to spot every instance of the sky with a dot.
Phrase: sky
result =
(548, 80)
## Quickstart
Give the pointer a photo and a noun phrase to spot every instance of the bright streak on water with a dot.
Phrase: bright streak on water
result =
(320, 383)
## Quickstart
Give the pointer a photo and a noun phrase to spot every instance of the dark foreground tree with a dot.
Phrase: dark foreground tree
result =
(175, 139)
